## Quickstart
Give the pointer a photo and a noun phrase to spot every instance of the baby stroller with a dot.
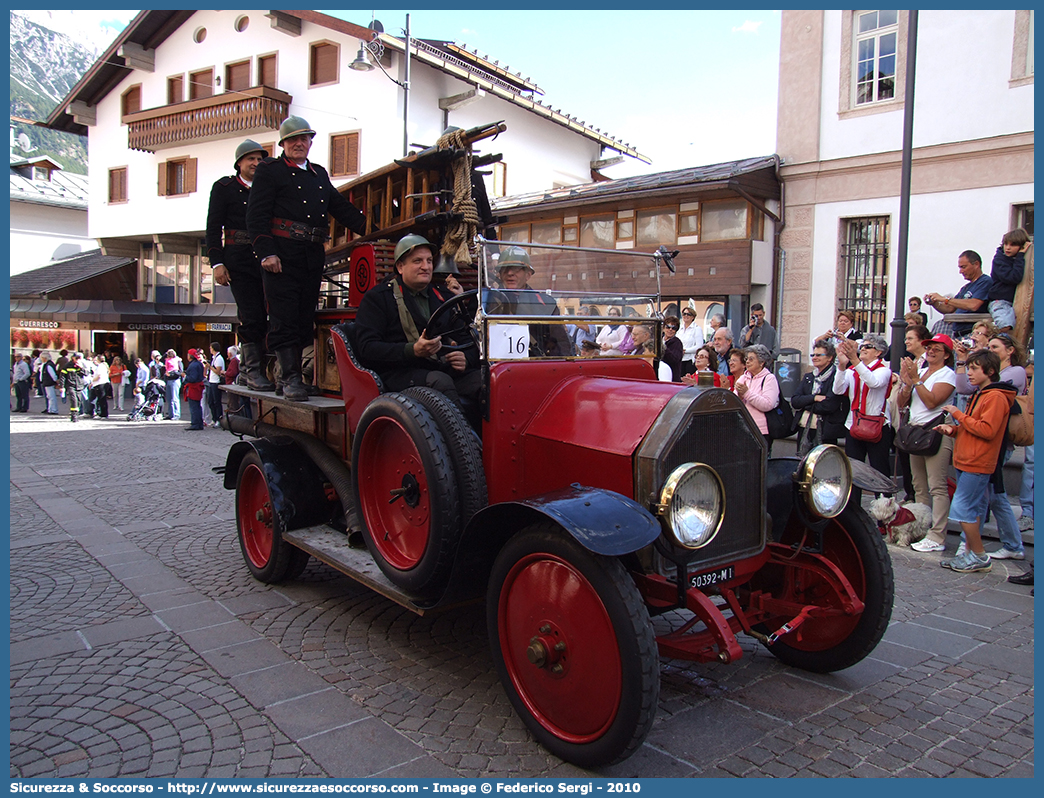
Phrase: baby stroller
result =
(152, 408)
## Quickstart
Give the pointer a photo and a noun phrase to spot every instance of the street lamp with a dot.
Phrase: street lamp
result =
(362, 63)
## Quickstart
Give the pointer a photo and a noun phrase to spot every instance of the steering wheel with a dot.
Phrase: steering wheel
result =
(453, 318)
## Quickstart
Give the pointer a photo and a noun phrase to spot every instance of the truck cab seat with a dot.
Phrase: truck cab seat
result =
(359, 385)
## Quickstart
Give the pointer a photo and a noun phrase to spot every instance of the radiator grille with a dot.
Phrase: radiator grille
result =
(713, 428)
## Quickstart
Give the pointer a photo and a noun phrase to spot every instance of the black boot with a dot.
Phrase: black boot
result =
(74, 416)
(250, 368)
(289, 360)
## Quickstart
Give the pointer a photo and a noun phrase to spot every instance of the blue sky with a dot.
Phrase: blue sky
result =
(685, 88)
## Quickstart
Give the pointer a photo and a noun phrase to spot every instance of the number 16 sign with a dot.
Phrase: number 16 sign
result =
(508, 341)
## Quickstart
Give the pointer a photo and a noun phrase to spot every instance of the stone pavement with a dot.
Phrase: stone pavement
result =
(141, 646)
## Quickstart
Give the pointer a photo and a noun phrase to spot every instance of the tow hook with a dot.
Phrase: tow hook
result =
(791, 625)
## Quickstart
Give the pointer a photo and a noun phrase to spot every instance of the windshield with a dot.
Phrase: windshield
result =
(553, 302)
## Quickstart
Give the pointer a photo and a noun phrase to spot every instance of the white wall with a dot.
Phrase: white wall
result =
(540, 151)
(963, 63)
(39, 233)
(941, 227)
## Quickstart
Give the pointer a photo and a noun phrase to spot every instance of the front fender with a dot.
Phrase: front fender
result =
(296, 486)
(783, 498)
(600, 520)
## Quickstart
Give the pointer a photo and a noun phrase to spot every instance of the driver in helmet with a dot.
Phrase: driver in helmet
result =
(391, 335)
(513, 271)
(291, 201)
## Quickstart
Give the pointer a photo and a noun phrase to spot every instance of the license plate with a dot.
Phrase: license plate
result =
(712, 578)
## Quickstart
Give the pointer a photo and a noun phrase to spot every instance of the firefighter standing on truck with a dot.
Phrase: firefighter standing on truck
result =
(288, 225)
(234, 261)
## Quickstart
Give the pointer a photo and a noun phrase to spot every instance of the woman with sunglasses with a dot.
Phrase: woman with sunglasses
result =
(691, 336)
(820, 412)
(865, 378)
(673, 350)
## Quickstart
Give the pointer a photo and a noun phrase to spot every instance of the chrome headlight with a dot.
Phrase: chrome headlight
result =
(825, 480)
(692, 504)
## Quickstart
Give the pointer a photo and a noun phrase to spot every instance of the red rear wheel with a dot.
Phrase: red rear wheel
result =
(574, 647)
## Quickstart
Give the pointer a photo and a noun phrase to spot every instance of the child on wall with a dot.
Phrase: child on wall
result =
(1009, 267)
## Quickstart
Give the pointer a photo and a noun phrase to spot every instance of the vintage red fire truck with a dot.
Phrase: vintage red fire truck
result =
(580, 497)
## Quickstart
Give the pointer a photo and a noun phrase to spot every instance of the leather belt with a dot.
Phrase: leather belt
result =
(299, 231)
(236, 237)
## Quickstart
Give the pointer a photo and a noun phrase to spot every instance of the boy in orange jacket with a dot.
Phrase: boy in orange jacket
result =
(979, 434)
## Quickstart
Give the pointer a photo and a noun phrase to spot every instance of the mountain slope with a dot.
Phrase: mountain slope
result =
(45, 65)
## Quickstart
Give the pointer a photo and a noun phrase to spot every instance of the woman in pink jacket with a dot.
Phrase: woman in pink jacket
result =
(757, 387)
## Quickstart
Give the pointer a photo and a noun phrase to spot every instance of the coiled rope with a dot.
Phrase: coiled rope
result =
(460, 237)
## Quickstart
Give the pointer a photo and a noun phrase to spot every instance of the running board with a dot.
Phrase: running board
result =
(330, 546)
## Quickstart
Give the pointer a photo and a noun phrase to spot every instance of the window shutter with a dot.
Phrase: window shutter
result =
(338, 155)
(162, 181)
(175, 89)
(353, 154)
(201, 84)
(324, 64)
(344, 154)
(132, 101)
(237, 76)
(266, 71)
(190, 175)
(117, 185)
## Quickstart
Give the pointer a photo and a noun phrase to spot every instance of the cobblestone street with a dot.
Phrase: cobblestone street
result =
(141, 646)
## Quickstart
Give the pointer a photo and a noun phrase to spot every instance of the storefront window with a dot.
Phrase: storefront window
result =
(184, 279)
(166, 277)
(148, 273)
(206, 281)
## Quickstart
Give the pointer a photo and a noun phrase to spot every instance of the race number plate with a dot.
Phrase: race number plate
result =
(508, 341)
(712, 578)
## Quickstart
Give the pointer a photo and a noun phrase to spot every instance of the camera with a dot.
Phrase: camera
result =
(967, 343)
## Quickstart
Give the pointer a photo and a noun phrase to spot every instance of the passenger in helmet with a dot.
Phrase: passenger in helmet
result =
(288, 222)
(514, 270)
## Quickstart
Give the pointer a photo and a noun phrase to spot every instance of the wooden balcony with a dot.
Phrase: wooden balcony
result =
(255, 110)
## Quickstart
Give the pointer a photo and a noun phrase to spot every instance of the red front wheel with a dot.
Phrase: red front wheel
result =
(574, 647)
(268, 557)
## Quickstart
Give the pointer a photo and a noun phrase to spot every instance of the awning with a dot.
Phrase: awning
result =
(107, 311)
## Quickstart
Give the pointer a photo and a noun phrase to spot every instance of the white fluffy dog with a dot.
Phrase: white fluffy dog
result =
(901, 524)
